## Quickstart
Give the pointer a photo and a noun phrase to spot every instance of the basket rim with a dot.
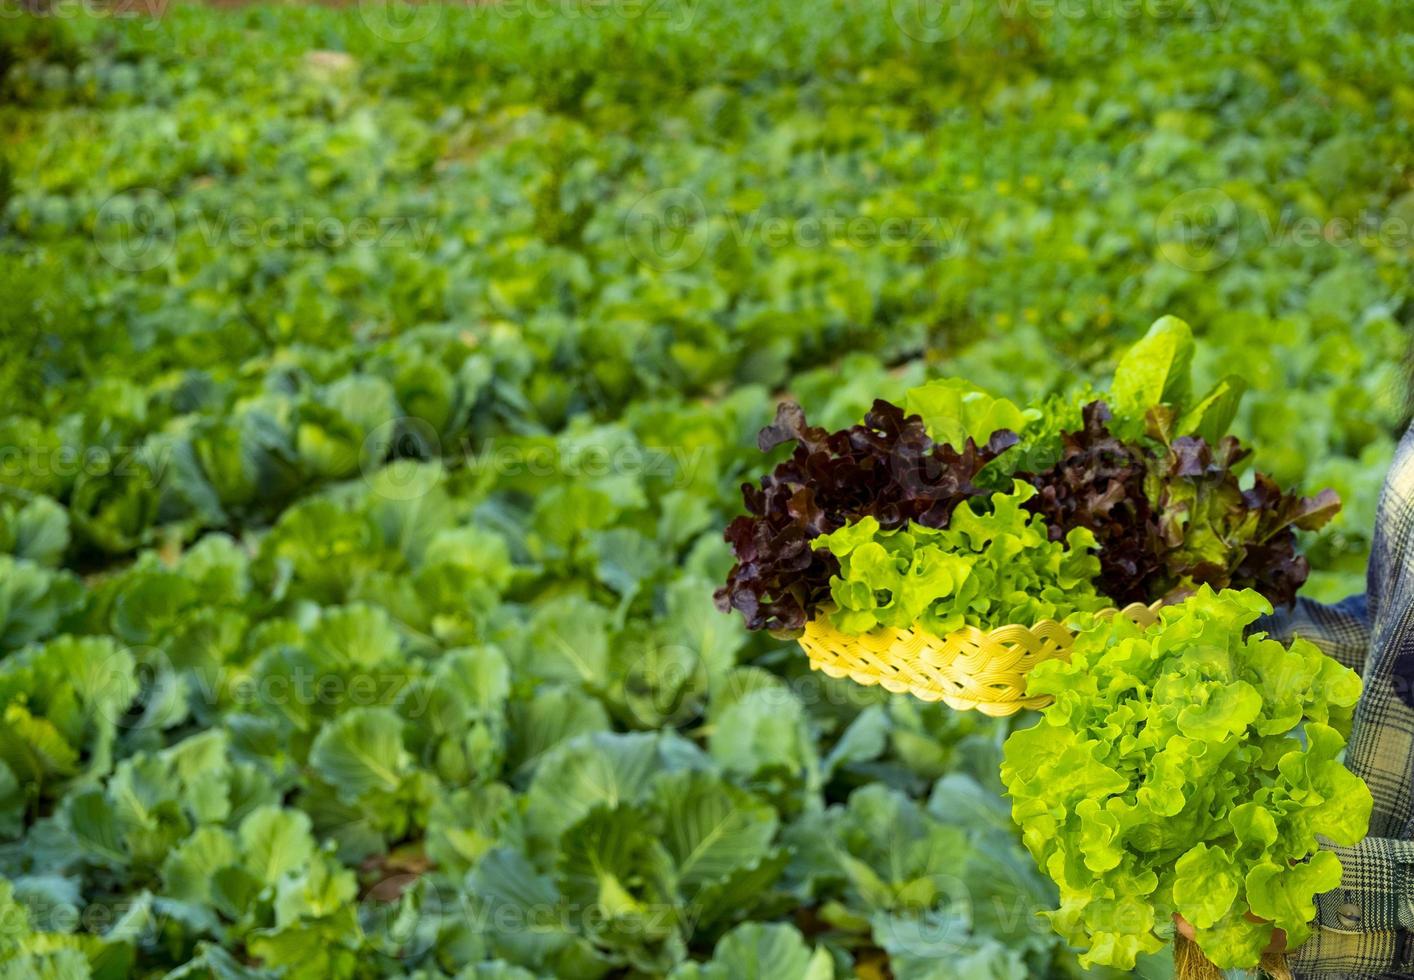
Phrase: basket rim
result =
(822, 627)
(997, 690)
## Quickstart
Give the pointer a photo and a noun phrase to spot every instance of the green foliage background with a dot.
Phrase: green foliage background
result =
(378, 380)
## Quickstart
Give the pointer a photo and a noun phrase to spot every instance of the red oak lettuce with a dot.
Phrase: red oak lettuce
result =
(886, 468)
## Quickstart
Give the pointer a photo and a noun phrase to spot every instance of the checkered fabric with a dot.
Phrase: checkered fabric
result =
(1365, 928)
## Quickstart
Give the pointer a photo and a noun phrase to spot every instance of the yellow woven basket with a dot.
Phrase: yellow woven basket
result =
(971, 669)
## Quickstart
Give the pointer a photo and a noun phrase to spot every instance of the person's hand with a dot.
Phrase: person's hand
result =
(1277, 945)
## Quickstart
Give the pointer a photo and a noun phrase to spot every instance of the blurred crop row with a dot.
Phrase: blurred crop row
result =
(378, 381)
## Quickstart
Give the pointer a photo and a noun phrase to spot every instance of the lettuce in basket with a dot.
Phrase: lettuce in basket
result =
(1187, 767)
(990, 566)
(887, 468)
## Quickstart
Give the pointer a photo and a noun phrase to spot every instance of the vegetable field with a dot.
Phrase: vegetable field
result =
(378, 382)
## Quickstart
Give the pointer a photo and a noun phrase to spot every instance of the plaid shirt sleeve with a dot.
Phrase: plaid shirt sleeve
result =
(1362, 927)
(1359, 928)
(1341, 631)
(1365, 927)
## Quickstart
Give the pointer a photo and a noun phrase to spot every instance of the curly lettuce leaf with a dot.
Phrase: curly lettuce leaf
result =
(954, 410)
(987, 568)
(1187, 767)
